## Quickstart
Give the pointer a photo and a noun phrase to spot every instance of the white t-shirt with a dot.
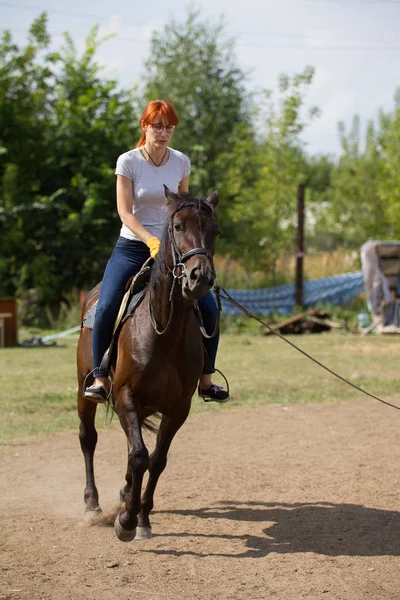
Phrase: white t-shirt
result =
(148, 187)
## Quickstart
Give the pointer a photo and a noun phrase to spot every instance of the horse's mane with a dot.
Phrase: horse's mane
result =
(159, 270)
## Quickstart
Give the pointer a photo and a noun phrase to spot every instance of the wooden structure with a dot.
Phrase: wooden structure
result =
(8, 322)
(300, 245)
(309, 321)
(381, 271)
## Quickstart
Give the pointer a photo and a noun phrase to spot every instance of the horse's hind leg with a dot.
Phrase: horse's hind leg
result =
(88, 440)
(138, 462)
(157, 464)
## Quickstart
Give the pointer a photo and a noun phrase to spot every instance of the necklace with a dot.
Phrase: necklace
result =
(152, 159)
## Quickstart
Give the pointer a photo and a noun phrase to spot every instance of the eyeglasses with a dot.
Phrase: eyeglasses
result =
(157, 128)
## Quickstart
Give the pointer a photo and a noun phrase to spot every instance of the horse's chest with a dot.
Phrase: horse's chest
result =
(172, 369)
(161, 366)
(187, 355)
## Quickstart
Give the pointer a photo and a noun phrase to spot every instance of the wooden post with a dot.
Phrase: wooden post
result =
(8, 322)
(300, 245)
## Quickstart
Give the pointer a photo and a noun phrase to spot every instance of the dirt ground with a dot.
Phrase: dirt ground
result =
(281, 502)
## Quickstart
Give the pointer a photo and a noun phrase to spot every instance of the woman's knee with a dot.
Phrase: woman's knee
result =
(107, 310)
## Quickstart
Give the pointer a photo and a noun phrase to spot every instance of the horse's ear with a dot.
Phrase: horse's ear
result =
(170, 196)
(213, 198)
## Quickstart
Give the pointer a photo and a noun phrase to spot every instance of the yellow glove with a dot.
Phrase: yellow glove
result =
(154, 245)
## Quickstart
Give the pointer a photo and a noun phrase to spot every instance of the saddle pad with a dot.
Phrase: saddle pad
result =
(88, 319)
(131, 300)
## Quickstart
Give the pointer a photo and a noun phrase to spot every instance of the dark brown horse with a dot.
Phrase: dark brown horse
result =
(159, 359)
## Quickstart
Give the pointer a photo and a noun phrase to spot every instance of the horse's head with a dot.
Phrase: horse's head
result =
(192, 230)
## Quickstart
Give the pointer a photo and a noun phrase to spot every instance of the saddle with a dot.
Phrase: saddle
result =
(136, 288)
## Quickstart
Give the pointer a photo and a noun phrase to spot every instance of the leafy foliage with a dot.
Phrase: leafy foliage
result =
(62, 127)
(261, 176)
(363, 197)
(388, 186)
(63, 124)
(192, 65)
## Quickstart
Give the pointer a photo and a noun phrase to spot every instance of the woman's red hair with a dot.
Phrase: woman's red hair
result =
(162, 109)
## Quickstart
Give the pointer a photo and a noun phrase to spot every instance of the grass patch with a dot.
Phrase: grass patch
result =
(39, 384)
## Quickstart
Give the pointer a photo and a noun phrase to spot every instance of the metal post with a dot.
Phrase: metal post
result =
(300, 245)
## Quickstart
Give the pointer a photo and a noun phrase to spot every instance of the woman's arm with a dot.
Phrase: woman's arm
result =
(125, 206)
(184, 185)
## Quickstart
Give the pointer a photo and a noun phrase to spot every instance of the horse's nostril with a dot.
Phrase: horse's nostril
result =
(194, 274)
(197, 275)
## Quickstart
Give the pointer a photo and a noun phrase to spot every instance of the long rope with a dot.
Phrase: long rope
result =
(251, 315)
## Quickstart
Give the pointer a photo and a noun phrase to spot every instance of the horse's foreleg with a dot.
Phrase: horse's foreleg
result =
(157, 464)
(138, 462)
(124, 491)
(88, 440)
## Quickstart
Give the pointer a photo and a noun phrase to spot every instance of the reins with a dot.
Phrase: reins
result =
(171, 312)
(197, 312)
(251, 315)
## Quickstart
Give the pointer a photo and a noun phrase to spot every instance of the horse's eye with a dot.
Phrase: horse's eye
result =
(177, 227)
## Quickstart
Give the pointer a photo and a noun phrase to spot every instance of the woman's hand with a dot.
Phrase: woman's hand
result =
(154, 244)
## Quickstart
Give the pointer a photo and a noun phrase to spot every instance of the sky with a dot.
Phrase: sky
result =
(354, 45)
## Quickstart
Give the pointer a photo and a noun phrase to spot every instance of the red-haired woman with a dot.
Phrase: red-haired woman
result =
(141, 175)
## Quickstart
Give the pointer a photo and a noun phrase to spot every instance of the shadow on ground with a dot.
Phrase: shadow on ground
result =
(321, 527)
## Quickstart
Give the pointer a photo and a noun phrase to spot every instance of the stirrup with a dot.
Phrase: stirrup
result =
(214, 393)
(97, 393)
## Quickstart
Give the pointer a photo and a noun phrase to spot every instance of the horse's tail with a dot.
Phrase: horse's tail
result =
(151, 423)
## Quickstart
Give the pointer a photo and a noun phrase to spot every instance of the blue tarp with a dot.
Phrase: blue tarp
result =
(338, 290)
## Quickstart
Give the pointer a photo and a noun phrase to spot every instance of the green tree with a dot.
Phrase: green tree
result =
(25, 113)
(192, 65)
(318, 196)
(93, 122)
(389, 182)
(62, 127)
(262, 173)
(353, 208)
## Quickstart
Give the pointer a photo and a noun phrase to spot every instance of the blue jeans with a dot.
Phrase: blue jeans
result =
(126, 260)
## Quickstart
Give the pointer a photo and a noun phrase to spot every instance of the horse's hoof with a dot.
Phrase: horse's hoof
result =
(123, 534)
(143, 533)
(92, 515)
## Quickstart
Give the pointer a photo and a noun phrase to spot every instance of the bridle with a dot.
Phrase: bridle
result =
(179, 270)
(178, 258)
